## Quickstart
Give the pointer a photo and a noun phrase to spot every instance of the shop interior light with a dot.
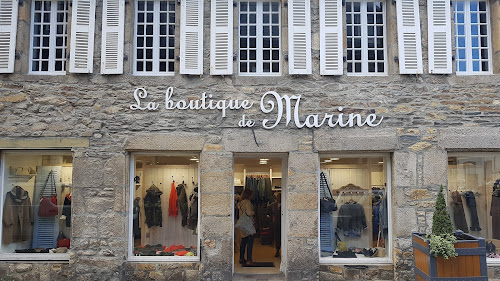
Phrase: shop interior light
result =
(194, 159)
(328, 160)
(335, 159)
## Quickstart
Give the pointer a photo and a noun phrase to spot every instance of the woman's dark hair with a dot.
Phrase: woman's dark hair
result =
(247, 194)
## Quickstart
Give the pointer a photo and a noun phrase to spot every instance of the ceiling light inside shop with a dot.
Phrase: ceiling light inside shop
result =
(381, 162)
(328, 160)
(194, 159)
(335, 159)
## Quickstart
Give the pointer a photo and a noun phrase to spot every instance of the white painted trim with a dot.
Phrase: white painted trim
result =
(259, 60)
(11, 28)
(131, 187)
(2, 200)
(389, 248)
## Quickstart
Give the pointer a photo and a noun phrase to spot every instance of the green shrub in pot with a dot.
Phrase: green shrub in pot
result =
(442, 238)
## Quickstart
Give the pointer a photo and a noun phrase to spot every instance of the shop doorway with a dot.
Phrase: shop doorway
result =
(265, 175)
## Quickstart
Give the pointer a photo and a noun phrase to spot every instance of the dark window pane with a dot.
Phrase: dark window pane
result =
(171, 41)
(380, 55)
(243, 55)
(357, 54)
(371, 56)
(371, 18)
(171, 54)
(140, 42)
(266, 42)
(243, 6)
(163, 66)
(149, 41)
(171, 66)
(253, 54)
(45, 54)
(276, 18)
(276, 67)
(253, 18)
(357, 42)
(380, 31)
(140, 66)
(276, 42)
(484, 65)
(265, 18)
(349, 42)
(45, 66)
(276, 30)
(243, 18)
(149, 66)
(357, 67)
(369, 6)
(349, 30)
(140, 54)
(276, 55)
(163, 30)
(149, 30)
(163, 42)
(171, 29)
(265, 30)
(149, 54)
(357, 6)
(253, 67)
(349, 67)
(380, 19)
(243, 67)
(380, 67)
(266, 55)
(253, 42)
(371, 67)
(266, 67)
(243, 30)
(265, 6)
(371, 43)
(349, 54)
(484, 53)
(380, 42)
(35, 66)
(163, 54)
(275, 6)
(243, 42)
(252, 6)
(253, 30)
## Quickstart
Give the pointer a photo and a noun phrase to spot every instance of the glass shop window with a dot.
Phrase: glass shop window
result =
(164, 213)
(36, 198)
(354, 212)
(474, 196)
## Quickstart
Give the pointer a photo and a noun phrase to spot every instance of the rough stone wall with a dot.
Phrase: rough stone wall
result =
(424, 117)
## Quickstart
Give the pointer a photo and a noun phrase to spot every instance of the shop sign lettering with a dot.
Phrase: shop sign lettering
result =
(271, 103)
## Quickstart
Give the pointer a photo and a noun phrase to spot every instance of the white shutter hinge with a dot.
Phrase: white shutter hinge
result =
(235, 57)
(453, 57)
(285, 56)
(343, 2)
(344, 58)
(17, 55)
(178, 58)
(126, 1)
(396, 59)
(125, 57)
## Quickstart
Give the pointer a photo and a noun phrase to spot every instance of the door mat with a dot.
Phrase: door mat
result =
(260, 264)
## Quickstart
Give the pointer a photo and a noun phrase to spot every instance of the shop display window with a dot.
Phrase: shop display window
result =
(164, 207)
(474, 196)
(36, 202)
(357, 225)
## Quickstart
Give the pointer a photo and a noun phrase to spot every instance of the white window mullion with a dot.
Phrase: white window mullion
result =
(260, 24)
(468, 37)
(364, 39)
(156, 37)
(52, 38)
(384, 14)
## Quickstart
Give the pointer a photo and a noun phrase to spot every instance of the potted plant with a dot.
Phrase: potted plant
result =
(448, 254)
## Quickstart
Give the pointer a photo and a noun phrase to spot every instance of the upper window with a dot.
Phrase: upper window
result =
(366, 37)
(154, 37)
(164, 207)
(474, 196)
(358, 226)
(49, 37)
(259, 37)
(472, 42)
(36, 198)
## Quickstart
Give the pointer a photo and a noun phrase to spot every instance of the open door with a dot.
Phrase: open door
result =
(265, 178)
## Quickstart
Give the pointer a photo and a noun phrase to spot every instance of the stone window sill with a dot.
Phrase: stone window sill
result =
(36, 257)
(359, 261)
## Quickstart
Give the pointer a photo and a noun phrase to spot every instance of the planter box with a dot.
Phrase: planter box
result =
(469, 265)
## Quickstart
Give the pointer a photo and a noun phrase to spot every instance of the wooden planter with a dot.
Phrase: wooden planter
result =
(469, 265)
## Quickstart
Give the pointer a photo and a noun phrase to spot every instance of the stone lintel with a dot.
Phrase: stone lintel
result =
(43, 143)
(349, 139)
(166, 142)
(469, 138)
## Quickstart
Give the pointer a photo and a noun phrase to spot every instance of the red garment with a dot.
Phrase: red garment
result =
(181, 253)
(174, 248)
(173, 210)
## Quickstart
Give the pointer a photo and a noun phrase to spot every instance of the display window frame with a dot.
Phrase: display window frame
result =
(130, 248)
(37, 257)
(388, 259)
(477, 154)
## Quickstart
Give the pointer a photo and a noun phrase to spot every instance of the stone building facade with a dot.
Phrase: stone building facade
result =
(425, 117)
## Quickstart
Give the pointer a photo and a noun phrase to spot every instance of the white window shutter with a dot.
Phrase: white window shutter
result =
(113, 25)
(439, 36)
(82, 36)
(8, 32)
(299, 37)
(331, 55)
(191, 37)
(221, 37)
(409, 37)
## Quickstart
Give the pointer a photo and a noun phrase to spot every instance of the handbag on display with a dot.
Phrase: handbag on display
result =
(48, 203)
(245, 224)
(327, 204)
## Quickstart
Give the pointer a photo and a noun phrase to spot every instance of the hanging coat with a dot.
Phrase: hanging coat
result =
(182, 203)
(193, 209)
(495, 216)
(173, 210)
(17, 216)
(152, 206)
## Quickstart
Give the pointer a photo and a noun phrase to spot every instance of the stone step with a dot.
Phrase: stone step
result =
(258, 277)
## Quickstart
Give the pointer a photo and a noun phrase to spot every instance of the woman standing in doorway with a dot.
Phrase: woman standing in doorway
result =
(245, 207)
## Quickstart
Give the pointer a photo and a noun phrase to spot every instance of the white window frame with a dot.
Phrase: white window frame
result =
(489, 261)
(52, 40)
(364, 40)
(156, 41)
(388, 259)
(130, 232)
(259, 24)
(468, 39)
(62, 257)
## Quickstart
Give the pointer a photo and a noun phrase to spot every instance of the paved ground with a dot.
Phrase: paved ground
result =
(259, 277)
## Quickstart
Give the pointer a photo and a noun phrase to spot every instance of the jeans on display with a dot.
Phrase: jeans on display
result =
(470, 199)
(247, 243)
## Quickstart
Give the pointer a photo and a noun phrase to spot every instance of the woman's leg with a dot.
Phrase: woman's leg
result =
(243, 245)
(249, 248)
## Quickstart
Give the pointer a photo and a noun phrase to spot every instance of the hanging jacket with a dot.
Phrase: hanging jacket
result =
(67, 209)
(193, 209)
(182, 203)
(17, 216)
(173, 210)
(152, 206)
(352, 219)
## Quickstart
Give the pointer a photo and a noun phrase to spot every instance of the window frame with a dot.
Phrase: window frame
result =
(364, 39)
(52, 39)
(130, 247)
(388, 259)
(42, 257)
(259, 25)
(489, 261)
(156, 39)
(468, 39)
